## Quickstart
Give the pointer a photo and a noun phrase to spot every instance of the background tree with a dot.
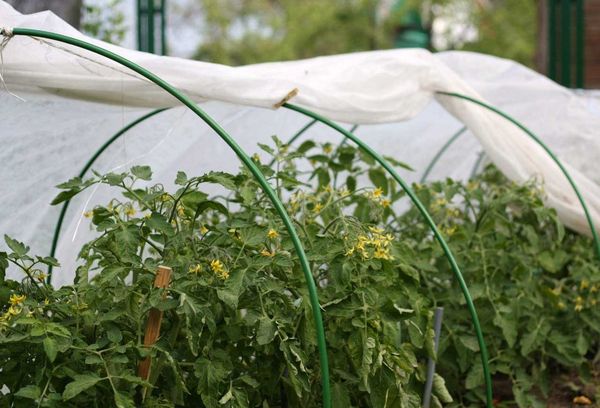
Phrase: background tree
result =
(241, 32)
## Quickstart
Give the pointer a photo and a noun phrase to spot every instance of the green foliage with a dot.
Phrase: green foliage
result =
(238, 33)
(507, 29)
(536, 287)
(104, 20)
(238, 330)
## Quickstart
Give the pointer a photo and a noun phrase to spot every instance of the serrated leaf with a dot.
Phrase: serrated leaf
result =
(474, 377)
(181, 178)
(30, 391)
(142, 172)
(266, 331)
(508, 327)
(114, 179)
(114, 334)
(17, 247)
(81, 383)
(50, 348)
(440, 390)
(159, 223)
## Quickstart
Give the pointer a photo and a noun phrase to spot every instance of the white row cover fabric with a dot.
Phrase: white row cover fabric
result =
(74, 100)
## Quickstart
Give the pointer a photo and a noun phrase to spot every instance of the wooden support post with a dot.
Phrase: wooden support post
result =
(163, 276)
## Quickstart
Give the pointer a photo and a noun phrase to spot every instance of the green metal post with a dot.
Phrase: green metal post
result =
(421, 208)
(150, 18)
(580, 45)
(163, 27)
(140, 40)
(245, 159)
(565, 43)
(552, 68)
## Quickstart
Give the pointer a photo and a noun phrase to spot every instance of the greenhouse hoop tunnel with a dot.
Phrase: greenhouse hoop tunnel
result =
(421, 208)
(294, 138)
(86, 167)
(242, 155)
(550, 153)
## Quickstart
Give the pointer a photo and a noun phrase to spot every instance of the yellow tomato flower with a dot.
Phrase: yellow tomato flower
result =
(41, 277)
(578, 304)
(195, 268)
(377, 192)
(129, 210)
(219, 269)
(14, 310)
(88, 214)
(318, 208)
(256, 157)
(584, 284)
(203, 229)
(385, 203)
(272, 234)
(16, 299)
(327, 148)
(267, 253)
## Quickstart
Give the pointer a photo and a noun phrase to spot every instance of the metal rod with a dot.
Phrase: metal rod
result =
(552, 68)
(163, 27)
(438, 236)
(437, 329)
(580, 45)
(439, 154)
(480, 157)
(140, 42)
(84, 170)
(565, 42)
(150, 18)
(539, 141)
(246, 160)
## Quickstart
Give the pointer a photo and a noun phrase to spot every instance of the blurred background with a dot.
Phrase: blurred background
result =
(559, 38)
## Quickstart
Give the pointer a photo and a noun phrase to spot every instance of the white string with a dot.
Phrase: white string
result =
(7, 34)
(70, 51)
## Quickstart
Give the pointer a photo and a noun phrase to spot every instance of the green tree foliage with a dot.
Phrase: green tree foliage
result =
(252, 31)
(508, 29)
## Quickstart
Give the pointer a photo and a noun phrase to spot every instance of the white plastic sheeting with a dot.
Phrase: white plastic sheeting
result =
(75, 100)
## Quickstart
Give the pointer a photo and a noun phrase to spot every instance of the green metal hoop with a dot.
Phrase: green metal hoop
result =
(246, 160)
(440, 153)
(448, 253)
(532, 135)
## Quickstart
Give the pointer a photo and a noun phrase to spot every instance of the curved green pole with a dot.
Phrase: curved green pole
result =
(475, 168)
(432, 226)
(246, 160)
(588, 216)
(84, 170)
(439, 154)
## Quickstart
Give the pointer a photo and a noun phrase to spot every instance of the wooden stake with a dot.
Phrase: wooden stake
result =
(163, 276)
